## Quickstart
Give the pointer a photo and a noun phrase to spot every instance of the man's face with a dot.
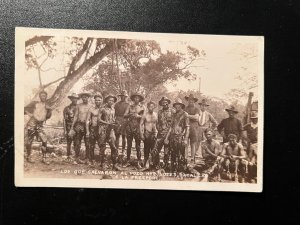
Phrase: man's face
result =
(98, 101)
(191, 101)
(177, 107)
(254, 120)
(165, 104)
(85, 99)
(208, 135)
(110, 102)
(231, 114)
(203, 107)
(43, 97)
(232, 140)
(136, 99)
(151, 107)
(123, 98)
(74, 101)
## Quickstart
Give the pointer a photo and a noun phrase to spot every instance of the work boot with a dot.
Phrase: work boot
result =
(45, 161)
(29, 159)
(139, 165)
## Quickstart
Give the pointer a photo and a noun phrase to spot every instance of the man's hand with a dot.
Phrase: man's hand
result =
(166, 141)
(185, 142)
(71, 133)
(143, 137)
(87, 134)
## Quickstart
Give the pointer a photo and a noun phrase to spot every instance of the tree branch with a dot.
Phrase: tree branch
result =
(37, 39)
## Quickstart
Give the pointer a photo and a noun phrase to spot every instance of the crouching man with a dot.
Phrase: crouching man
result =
(210, 153)
(234, 162)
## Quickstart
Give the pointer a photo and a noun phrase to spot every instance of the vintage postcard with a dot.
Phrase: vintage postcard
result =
(108, 109)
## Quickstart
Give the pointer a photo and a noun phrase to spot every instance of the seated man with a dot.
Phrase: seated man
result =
(234, 159)
(210, 151)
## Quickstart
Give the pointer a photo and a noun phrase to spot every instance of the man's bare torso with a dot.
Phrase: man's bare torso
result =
(82, 112)
(94, 112)
(150, 120)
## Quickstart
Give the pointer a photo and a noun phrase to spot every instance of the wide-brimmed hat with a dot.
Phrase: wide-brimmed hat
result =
(232, 109)
(253, 115)
(98, 94)
(123, 93)
(110, 96)
(191, 96)
(43, 92)
(137, 94)
(178, 101)
(164, 98)
(84, 94)
(203, 102)
(151, 102)
(73, 95)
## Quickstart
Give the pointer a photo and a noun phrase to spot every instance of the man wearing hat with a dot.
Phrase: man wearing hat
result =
(120, 108)
(107, 123)
(164, 120)
(193, 115)
(134, 114)
(148, 131)
(230, 125)
(39, 112)
(178, 137)
(251, 138)
(92, 127)
(78, 128)
(68, 114)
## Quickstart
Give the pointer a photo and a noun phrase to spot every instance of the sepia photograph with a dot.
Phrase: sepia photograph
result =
(110, 109)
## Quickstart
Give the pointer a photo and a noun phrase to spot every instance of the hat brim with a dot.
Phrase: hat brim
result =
(84, 94)
(203, 104)
(161, 101)
(187, 98)
(177, 103)
(70, 97)
(111, 96)
(141, 97)
(230, 110)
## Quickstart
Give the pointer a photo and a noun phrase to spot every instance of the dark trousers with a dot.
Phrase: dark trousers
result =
(178, 161)
(149, 144)
(158, 146)
(70, 140)
(36, 130)
(93, 138)
(133, 134)
(80, 133)
(107, 134)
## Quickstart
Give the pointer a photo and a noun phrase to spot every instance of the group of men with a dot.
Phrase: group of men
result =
(172, 128)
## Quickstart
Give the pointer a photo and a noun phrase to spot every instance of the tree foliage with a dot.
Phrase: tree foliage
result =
(141, 66)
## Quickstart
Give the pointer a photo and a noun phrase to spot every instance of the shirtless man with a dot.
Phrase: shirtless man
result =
(210, 153)
(148, 131)
(39, 112)
(134, 114)
(78, 128)
(92, 127)
(107, 124)
(69, 112)
(234, 158)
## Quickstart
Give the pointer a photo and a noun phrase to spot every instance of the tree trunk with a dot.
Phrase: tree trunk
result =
(66, 85)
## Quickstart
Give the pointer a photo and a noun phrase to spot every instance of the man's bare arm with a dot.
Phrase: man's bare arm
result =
(87, 122)
(75, 117)
(142, 125)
